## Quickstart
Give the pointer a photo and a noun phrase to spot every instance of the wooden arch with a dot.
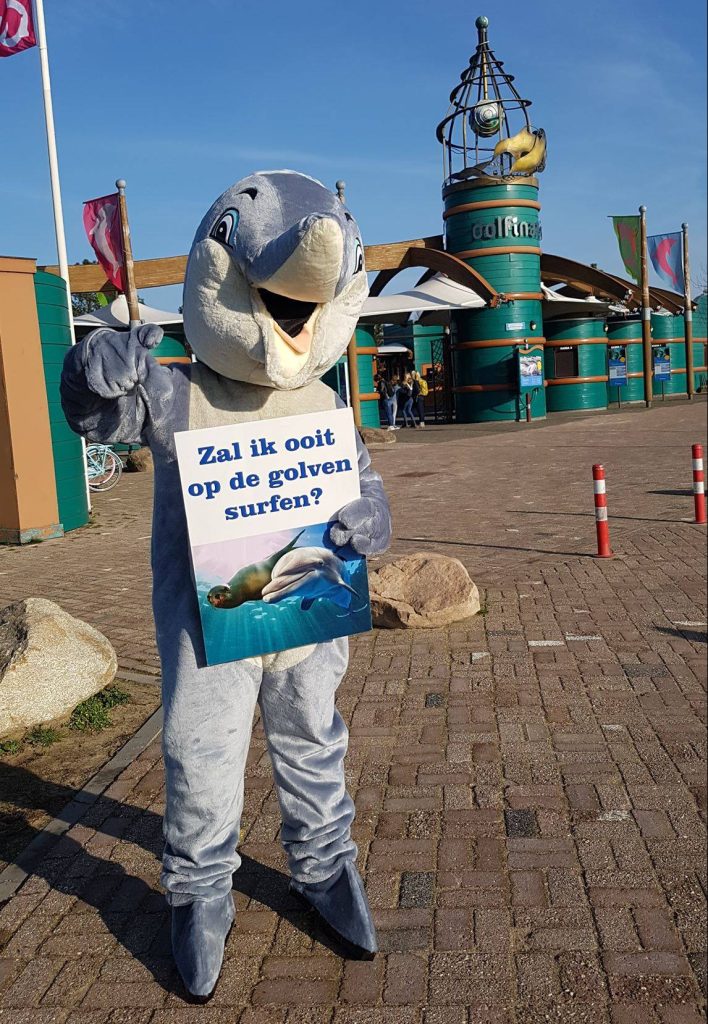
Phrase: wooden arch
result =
(592, 281)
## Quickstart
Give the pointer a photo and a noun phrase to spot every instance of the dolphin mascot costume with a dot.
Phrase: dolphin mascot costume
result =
(275, 283)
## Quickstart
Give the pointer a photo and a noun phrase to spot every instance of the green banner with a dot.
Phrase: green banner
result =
(627, 230)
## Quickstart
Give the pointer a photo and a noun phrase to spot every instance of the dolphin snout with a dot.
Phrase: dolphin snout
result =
(304, 263)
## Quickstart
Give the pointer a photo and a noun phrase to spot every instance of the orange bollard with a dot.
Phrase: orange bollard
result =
(699, 486)
(603, 530)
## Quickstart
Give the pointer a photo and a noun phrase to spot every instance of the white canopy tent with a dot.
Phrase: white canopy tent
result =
(433, 300)
(557, 305)
(430, 303)
(116, 315)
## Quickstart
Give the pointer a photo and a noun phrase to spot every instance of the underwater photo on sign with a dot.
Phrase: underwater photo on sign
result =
(278, 590)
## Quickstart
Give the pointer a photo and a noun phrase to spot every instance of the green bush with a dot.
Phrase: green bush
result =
(92, 715)
(10, 746)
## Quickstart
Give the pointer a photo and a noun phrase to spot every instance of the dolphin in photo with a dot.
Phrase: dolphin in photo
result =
(307, 574)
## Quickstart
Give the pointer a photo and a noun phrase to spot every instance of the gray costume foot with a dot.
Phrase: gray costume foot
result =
(199, 932)
(342, 904)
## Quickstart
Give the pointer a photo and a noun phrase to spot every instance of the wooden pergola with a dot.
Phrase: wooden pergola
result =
(392, 257)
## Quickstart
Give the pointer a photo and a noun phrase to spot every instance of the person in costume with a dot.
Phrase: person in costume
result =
(275, 283)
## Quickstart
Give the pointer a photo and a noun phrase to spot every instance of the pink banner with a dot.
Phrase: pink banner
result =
(16, 27)
(102, 223)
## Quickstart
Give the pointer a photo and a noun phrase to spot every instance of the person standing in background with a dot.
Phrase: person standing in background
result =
(405, 398)
(387, 396)
(419, 388)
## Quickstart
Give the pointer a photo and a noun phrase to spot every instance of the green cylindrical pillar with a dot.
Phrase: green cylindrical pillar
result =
(69, 471)
(171, 349)
(576, 364)
(369, 399)
(628, 331)
(700, 351)
(335, 377)
(669, 330)
(494, 227)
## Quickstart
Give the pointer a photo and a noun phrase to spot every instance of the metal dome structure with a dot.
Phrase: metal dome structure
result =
(486, 131)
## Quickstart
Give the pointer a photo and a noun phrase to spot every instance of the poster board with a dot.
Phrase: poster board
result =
(617, 365)
(259, 499)
(662, 362)
(530, 367)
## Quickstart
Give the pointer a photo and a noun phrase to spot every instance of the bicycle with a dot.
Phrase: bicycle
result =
(104, 467)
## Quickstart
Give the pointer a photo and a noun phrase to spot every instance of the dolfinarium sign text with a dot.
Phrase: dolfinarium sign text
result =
(506, 227)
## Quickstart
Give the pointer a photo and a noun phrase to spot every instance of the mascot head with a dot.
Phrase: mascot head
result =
(275, 281)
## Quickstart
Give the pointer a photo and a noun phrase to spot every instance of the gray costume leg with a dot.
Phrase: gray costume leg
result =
(207, 732)
(208, 721)
(307, 741)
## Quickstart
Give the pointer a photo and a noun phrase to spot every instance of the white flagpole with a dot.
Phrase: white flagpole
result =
(38, 6)
(52, 150)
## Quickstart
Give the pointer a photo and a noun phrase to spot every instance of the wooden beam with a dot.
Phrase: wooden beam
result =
(89, 277)
(456, 269)
(389, 255)
(558, 268)
(437, 261)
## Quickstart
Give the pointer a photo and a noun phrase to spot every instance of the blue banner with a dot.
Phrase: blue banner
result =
(665, 253)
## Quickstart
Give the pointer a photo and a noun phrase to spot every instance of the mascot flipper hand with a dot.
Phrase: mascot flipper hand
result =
(274, 286)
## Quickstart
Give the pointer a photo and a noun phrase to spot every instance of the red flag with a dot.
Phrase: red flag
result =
(16, 27)
(102, 223)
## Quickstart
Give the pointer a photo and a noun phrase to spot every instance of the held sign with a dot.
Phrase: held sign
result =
(260, 498)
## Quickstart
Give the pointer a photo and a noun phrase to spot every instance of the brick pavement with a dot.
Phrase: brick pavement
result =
(530, 784)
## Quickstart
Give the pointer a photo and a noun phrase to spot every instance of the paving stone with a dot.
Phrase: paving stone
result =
(416, 889)
(521, 823)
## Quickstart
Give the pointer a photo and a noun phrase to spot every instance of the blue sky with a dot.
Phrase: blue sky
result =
(182, 99)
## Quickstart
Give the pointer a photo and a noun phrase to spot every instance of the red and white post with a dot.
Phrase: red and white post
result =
(699, 484)
(603, 530)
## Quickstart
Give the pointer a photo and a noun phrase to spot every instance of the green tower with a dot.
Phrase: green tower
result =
(491, 155)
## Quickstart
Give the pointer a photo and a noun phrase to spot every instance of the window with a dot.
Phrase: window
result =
(566, 361)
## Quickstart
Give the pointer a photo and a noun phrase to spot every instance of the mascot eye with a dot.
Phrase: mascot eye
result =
(224, 229)
(358, 257)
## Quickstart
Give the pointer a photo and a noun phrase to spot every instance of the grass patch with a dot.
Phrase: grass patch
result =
(92, 715)
(41, 737)
(10, 746)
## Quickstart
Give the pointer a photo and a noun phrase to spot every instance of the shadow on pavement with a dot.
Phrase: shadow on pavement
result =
(112, 873)
(591, 515)
(492, 547)
(695, 636)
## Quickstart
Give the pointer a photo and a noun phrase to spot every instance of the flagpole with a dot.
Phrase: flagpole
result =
(131, 294)
(688, 316)
(38, 9)
(646, 310)
(52, 151)
(354, 394)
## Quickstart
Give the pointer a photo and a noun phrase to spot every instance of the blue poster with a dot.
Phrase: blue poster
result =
(531, 368)
(662, 363)
(617, 365)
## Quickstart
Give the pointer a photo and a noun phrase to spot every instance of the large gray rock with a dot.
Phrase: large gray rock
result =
(375, 437)
(49, 663)
(422, 591)
(139, 461)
